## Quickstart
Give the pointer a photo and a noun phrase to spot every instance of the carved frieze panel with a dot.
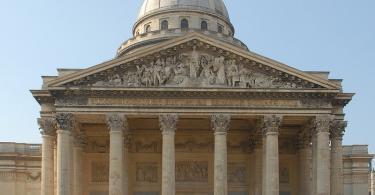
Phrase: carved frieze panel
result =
(97, 145)
(237, 173)
(193, 68)
(147, 172)
(33, 176)
(145, 144)
(194, 144)
(99, 172)
(192, 172)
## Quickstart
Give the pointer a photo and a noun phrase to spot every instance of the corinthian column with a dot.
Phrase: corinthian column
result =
(116, 124)
(337, 133)
(65, 124)
(271, 125)
(168, 124)
(220, 125)
(321, 155)
(79, 144)
(47, 129)
(305, 154)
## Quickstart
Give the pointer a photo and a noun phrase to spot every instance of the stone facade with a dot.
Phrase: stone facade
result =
(20, 169)
(187, 109)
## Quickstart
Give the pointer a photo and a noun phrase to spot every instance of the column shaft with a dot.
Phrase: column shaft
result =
(220, 164)
(77, 179)
(116, 124)
(63, 162)
(220, 125)
(47, 165)
(47, 127)
(168, 125)
(65, 124)
(116, 163)
(322, 157)
(271, 159)
(168, 164)
(337, 133)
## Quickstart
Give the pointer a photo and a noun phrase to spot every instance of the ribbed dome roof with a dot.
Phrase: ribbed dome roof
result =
(211, 6)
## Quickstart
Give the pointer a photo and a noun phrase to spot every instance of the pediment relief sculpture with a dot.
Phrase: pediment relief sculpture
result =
(194, 68)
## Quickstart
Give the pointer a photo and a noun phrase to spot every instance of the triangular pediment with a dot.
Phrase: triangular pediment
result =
(193, 61)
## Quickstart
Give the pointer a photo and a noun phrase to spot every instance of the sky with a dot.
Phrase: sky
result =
(39, 36)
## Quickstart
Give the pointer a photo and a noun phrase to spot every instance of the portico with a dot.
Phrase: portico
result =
(187, 109)
(221, 152)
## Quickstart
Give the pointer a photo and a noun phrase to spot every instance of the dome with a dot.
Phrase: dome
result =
(216, 7)
(161, 20)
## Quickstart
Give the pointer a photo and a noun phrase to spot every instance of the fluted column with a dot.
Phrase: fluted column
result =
(117, 123)
(79, 144)
(168, 125)
(65, 124)
(271, 125)
(336, 135)
(220, 125)
(305, 157)
(47, 127)
(321, 155)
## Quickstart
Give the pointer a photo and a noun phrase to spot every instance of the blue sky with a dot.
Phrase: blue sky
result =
(38, 36)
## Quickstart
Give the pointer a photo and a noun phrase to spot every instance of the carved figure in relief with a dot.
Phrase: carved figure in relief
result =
(146, 147)
(237, 173)
(99, 172)
(194, 64)
(219, 68)
(193, 69)
(147, 172)
(192, 171)
(233, 74)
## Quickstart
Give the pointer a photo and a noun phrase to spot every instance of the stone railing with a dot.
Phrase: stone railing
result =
(17, 148)
(355, 150)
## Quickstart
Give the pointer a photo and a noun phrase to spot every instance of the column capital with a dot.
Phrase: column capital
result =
(65, 121)
(323, 123)
(337, 129)
(271, 123)
(220, 123)
(47, 126)
(117, 122)
(168, 123)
